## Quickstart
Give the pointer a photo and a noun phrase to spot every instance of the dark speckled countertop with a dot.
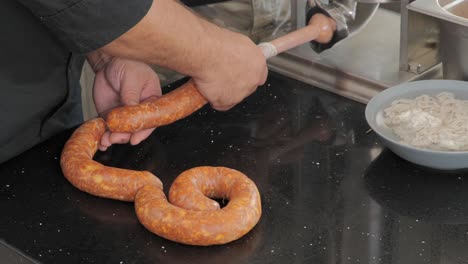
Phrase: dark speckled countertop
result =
(330, 192)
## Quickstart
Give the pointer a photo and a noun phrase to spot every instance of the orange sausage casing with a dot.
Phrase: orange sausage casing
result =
(192, 218)
(169, 108)
(192, 226)
(94, 178)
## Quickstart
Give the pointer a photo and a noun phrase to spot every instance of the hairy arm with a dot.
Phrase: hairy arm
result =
(226, 66)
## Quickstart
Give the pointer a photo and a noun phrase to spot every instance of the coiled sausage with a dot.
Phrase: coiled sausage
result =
(94, 178)
(191, 218)
(211, 225)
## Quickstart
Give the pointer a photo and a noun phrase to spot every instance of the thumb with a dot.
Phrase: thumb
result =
(132, 83)
(125, 80)
(130, 91)
(139, 84)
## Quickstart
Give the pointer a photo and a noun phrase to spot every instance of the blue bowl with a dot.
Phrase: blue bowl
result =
(442, 160)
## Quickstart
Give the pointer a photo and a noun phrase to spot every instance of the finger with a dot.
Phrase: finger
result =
(223, 108)
(101, 148)
(132, 85)
(264, 76)
(139, 83)
(105, 141)
(119, 138)
(139, 136)
(152, 87)
(227, 107)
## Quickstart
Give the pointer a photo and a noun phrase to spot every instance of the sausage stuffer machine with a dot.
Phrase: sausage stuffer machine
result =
(376, 46)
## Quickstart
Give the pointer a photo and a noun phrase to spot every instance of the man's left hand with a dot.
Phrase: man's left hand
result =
(121, 82)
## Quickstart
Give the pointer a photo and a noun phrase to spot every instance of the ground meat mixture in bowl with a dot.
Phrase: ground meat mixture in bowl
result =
(424, 122)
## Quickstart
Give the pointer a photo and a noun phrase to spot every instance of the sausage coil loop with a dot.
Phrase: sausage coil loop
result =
(190, 217)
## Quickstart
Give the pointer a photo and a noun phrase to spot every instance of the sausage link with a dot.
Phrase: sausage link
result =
(169, 108)
(94, 178)
(186, 224)
(192, 219)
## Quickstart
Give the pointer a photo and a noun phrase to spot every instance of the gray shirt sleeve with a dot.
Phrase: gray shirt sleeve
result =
(86, 25)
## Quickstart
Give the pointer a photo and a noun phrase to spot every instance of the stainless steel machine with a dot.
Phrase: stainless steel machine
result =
(375, 47)
(384, 48)
(450, 20)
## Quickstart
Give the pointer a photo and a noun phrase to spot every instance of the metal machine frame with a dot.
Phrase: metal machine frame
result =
(393, 48)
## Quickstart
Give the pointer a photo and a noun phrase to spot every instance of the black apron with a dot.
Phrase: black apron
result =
(41, 57)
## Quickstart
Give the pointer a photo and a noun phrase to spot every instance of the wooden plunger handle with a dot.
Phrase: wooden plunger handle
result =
(320, 28)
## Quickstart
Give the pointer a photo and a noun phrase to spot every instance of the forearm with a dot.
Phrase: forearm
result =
(225, 66)
(173, 37)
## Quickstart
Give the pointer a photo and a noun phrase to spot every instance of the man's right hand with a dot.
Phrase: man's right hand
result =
(240, 68)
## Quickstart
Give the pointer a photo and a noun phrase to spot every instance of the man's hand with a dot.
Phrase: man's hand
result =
(239, 69)
(226, 66)
(121, 82)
